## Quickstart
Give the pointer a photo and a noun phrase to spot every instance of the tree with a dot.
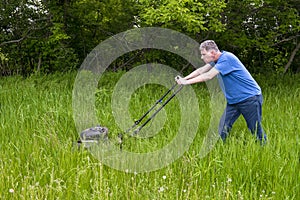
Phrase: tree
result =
(189, 16)
(52, 35)
(57, 35)
(265, 34)
(88, 22)
(30, 40)
(196, 19)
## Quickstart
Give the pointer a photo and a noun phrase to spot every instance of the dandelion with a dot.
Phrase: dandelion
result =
(240, 196)
(161, 189)
(184, 190)
(164, 177)
(229, 180)
(11, 190)
(273, 193)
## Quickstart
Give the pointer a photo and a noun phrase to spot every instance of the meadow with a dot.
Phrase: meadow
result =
(38, 159)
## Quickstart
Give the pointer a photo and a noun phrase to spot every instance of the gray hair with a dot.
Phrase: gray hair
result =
(209, 45)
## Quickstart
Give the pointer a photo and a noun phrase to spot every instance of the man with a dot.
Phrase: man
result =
(243, 94)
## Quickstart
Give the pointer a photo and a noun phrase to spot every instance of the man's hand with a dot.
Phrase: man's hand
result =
(180, 80)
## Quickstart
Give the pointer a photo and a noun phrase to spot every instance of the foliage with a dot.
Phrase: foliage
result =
(189, 16)
(48, 36)
(262, 33)
(32, 40)
(90, 22)
(3, 57)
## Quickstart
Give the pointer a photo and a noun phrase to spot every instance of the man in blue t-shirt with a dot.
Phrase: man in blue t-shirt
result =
(243, 94)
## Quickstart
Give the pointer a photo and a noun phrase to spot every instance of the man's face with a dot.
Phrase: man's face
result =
(207, 56)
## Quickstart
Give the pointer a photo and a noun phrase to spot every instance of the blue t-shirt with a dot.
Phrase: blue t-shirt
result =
(236, 82)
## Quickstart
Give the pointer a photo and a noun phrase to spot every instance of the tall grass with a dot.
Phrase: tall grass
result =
(38, 161)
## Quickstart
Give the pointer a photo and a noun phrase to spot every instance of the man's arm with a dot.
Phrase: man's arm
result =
(204, 77)
(199, 71)
(200, 78)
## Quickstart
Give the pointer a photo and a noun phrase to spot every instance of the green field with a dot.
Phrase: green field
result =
(38, 161)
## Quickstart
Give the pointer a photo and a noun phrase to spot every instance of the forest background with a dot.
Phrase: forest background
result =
(47, 36)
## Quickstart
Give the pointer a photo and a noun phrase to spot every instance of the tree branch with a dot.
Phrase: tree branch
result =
(28, 32)
(18, 40)
(285, 40)
(12, 41)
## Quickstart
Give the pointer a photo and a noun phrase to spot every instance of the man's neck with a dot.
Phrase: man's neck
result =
(217, 56)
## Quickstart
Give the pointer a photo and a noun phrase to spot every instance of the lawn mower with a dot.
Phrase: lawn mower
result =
(100, 133)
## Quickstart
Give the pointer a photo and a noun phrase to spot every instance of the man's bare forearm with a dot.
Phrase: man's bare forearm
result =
(198, 71)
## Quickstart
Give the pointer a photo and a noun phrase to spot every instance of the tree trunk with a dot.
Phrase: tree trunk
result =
(39, 64)
(287, 66)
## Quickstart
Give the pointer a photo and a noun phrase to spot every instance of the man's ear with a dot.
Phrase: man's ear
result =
(214, 54)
